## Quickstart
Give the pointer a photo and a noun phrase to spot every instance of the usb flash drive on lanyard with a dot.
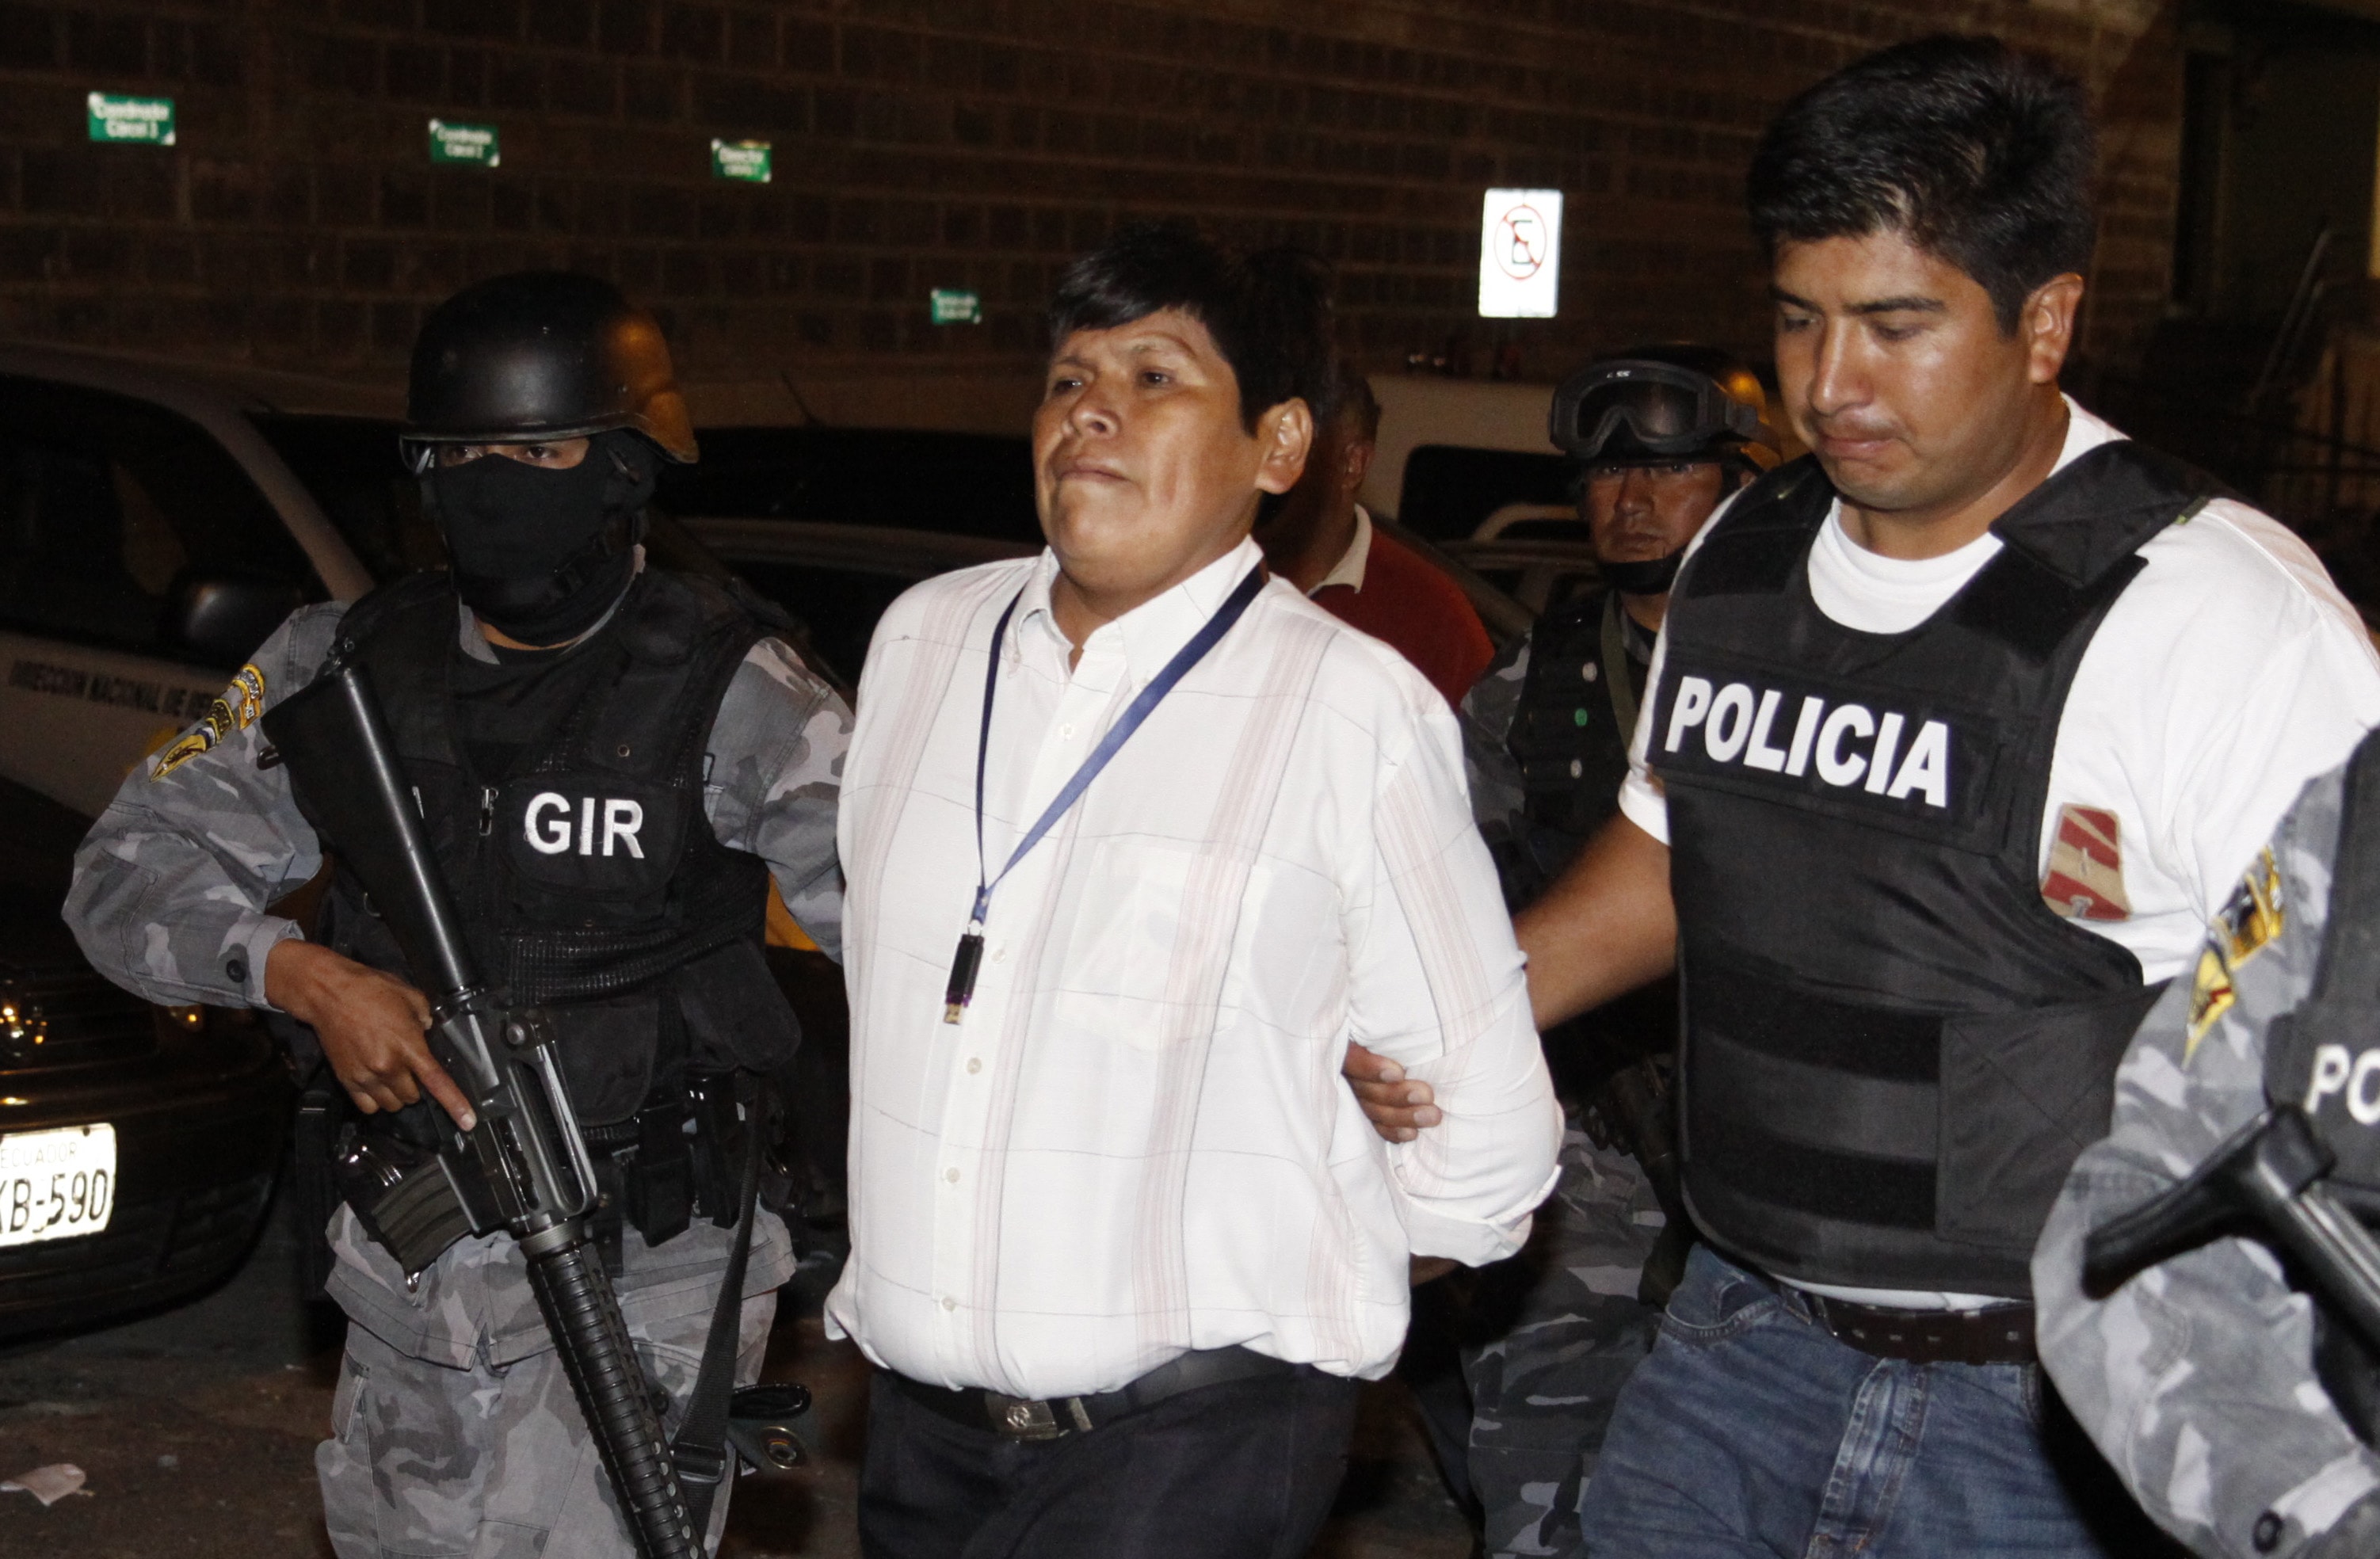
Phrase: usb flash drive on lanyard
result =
(969, 957)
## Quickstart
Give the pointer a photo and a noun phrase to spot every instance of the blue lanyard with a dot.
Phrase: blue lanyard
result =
(961, 989)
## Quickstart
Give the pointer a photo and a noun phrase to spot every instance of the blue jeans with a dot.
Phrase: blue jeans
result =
(1750, 1431)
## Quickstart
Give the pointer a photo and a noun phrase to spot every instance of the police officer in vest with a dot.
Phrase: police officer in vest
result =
(1956, 736)
(1662, 436)
(612, 761)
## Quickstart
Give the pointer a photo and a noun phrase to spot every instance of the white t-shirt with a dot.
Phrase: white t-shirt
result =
(2228, 673)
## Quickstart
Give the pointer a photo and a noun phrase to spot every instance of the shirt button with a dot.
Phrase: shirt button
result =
(1587, 671)
(236, 971)
(951, 1176)
(1065, 733)
(999, 953)
(975, 1064)
(949, 1303)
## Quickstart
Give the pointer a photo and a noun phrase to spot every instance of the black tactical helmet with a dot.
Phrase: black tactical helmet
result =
(542, 354)
(1657, 404)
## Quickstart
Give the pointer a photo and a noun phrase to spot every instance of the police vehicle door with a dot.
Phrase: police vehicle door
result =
(139, 567)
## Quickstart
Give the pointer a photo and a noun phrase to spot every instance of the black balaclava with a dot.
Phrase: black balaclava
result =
(541, 555)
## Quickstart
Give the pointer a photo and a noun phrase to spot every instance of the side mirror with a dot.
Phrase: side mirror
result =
(221, 618)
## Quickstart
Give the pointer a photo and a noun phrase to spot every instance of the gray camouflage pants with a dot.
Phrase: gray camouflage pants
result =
(453, 1430)
(1547, 1340)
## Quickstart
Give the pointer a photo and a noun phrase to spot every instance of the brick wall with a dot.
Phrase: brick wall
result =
(298, 224)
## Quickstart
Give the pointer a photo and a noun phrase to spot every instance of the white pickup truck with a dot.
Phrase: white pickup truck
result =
(150, 536)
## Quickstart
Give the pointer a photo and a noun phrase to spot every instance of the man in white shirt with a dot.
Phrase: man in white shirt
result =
(1121, 1240)
(1957, 736)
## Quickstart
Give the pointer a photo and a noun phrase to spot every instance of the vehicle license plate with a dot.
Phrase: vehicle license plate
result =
(57, 1184)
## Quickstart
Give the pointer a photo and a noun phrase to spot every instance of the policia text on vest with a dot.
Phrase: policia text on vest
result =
(1836, 744)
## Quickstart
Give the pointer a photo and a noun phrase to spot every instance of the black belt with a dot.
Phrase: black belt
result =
(2002, 1335)
(1033, 1418)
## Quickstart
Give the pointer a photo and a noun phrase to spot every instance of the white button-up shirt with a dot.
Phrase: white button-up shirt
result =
(1137, 1141)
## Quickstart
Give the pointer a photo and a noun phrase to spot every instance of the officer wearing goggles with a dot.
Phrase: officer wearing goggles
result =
(1663, 436)
(1957, 735)
(611, 762)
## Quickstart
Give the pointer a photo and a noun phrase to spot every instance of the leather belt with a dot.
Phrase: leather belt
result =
(1033, 1418)
(2002, 1335)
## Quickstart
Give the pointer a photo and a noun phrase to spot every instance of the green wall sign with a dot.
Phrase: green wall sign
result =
(744, 161)
(952, 307)
(451, 142)
(146, 120)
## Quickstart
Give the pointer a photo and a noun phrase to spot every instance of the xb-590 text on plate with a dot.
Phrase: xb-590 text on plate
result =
(57, 1184)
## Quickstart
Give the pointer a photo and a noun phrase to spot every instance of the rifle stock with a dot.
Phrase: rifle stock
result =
(2267, 1180)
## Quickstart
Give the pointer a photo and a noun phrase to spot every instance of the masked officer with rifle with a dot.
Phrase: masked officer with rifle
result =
(1662, 435)
(605, 763)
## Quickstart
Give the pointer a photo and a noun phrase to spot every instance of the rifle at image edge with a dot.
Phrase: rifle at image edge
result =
(524, 1168)
(2268, 1181)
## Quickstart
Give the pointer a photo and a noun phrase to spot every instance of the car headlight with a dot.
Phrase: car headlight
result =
(21, 1025)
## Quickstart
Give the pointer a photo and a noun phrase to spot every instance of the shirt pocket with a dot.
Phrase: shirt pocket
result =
(1144, 907)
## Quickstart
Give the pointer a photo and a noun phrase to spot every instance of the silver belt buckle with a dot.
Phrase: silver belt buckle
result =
(1022, 1418)
(1027, 1418)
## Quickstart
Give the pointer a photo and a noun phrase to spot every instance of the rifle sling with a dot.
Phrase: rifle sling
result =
(699, 1448)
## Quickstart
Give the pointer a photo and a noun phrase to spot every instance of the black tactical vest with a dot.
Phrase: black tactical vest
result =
(1567, 734)
(1571, 743)
(1892, 1048)
(587, 876)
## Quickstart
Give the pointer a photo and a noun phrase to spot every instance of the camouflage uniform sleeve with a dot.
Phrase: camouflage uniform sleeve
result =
(2196, 1378)
(171, 885)
(776, 769)
(1485, 716)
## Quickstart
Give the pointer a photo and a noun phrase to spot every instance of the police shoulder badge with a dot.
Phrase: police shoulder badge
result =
(241, 704)
(2246, 924)
(2085, 879)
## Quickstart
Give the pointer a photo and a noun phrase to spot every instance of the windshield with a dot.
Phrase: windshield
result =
(350, 464)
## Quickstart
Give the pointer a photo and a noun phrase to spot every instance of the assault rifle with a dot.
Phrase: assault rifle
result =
(524, 1168)
(2268, 1181)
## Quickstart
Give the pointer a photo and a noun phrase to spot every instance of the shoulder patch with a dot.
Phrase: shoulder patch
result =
(2210, 996)
(2085, 880)
(2247, 924)
(239, 706)
(2252, 916)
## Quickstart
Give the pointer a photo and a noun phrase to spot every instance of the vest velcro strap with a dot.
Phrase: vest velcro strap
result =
(1850, 1188)
(1887, 1117)
(1765, 1013)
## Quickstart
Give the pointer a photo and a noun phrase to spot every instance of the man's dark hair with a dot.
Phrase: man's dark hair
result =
(1269, 312)
(1352, 403)
(1971, 151)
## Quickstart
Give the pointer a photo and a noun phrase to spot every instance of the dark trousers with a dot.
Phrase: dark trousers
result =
(1241, 1470)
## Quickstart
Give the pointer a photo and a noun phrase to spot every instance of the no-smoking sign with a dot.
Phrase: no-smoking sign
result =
(1520, 242)
(1520, 254)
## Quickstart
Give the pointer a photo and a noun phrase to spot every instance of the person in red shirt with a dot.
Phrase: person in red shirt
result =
(1322, 541)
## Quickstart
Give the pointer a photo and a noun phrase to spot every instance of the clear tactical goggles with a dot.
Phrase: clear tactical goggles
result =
(1663, 408)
